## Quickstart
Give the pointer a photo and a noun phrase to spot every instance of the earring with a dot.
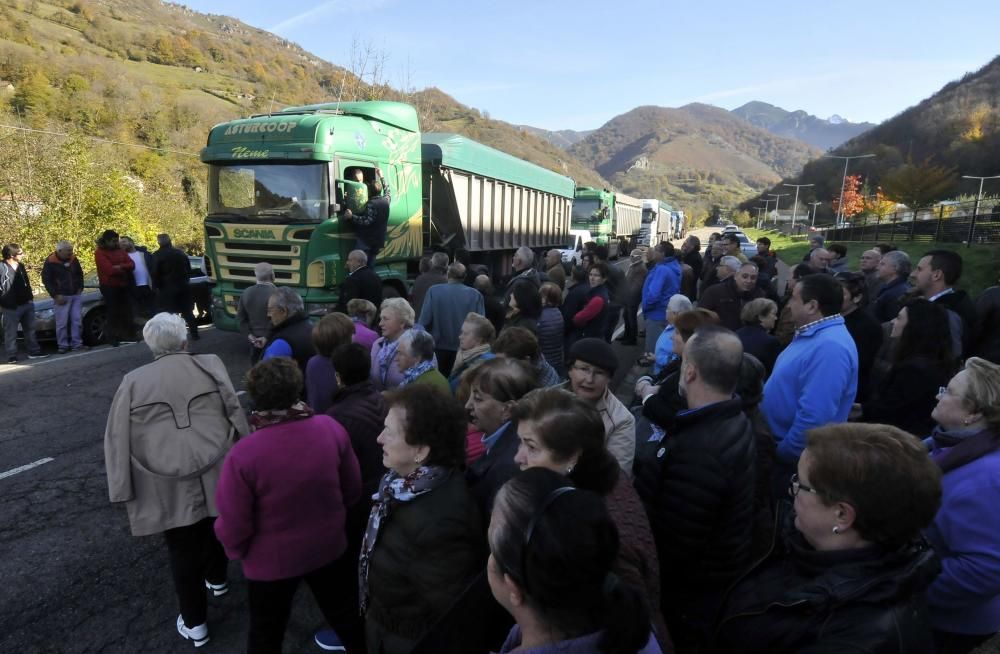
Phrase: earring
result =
(836, 529)
(569, 469)
(965, 422)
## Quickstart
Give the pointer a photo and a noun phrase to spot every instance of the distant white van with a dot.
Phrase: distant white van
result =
(572, 253)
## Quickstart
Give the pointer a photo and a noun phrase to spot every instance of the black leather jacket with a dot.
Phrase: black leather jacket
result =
(800, 600)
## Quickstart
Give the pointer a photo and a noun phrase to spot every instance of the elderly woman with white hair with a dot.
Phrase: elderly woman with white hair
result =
(415, 357)
(170, 425)
(397, 317)
(665, 343)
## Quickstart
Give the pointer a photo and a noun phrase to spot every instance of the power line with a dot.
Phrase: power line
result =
(98, 138)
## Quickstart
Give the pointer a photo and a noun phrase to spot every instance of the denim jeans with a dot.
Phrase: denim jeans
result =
(24, 315)
(653, 330)
(67, 316)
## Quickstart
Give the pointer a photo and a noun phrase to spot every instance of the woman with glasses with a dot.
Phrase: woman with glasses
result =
(553, 549)
(964, 599)
(848, 569)
(922, 362)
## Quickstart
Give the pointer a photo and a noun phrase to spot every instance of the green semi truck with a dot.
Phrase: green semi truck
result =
(612, 218)
(278, 191)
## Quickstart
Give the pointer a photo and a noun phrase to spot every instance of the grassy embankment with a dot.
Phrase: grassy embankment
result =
(981, 262)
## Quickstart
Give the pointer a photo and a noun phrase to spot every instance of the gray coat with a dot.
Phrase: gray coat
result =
(171, 423)
(444, 310)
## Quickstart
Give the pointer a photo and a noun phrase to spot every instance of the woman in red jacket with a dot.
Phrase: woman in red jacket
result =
(114, 273)
(591, 320)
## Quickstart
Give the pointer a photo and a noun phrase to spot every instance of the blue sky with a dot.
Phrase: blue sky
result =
(576, 65)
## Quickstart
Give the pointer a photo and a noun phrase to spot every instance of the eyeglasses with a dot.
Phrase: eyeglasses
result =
(794, 486)
(590, 371)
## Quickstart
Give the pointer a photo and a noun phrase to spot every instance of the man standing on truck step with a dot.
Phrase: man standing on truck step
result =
(370, 227)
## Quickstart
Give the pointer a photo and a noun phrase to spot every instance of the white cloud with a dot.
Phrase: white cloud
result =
(322, 9)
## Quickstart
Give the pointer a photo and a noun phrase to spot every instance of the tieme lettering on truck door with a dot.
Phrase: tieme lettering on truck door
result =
(279, 186)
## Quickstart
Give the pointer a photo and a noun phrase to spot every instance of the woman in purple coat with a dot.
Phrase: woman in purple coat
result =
(282, 498)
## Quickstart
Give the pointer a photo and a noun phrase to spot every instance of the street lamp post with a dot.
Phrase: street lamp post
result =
(843, 182)
(979, 198)
(795, 204)
(762, 216)
(777, 198)
(814, 205)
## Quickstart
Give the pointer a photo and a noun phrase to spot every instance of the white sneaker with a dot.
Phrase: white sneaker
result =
(218, 590)
(198, 635)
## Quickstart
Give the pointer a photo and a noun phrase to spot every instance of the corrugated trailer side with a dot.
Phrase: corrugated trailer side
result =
(628, 215)
(484, 200)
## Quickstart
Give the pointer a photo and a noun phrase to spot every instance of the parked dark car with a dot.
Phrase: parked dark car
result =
(94, 314)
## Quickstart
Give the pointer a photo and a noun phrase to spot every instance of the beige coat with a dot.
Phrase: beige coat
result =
(171, 423)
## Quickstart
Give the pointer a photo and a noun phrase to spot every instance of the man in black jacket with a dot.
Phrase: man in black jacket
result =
(171, 277)
(700, 498)
(291, 335)
(935, 277)
(370, 227)
(362, 282)
(17, 305)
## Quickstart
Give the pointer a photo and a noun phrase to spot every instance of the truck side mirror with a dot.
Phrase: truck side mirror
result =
(351, 195)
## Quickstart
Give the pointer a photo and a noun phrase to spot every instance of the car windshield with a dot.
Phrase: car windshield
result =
(267, 192)
(585, 211)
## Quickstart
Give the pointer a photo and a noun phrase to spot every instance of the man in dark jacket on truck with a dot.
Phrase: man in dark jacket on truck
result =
(371, 226)
(62, 276)
(699, 494)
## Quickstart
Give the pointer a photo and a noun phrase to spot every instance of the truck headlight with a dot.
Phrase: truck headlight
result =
(316, 275)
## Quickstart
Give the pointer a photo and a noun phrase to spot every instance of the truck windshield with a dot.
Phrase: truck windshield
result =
(648, 215)
(268, 192)
(585, 211)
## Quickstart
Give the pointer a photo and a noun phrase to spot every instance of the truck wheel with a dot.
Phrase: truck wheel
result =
(93, 326)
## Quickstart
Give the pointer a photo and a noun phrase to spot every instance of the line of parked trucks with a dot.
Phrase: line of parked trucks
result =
(279, 190)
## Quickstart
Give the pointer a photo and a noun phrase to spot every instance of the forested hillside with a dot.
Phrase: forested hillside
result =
(693, 156)
(921, 154)
(106, 103)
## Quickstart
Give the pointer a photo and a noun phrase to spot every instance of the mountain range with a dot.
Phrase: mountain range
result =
(821, 133)
(158, 75)
(922, 152)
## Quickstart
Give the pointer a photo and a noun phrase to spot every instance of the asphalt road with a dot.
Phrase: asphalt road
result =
(72, 577)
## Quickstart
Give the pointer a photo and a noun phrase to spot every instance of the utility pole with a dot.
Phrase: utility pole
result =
(763, 216)
(777, 198)
(795, 204)
(843, 183)
(814, 205)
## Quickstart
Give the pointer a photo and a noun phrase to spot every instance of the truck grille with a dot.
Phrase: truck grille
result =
(237, 259)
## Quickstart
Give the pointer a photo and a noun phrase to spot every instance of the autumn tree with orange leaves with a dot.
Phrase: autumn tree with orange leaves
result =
(854, 200)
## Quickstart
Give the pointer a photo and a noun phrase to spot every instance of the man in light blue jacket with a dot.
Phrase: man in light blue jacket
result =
(662, 283)
(815, 379)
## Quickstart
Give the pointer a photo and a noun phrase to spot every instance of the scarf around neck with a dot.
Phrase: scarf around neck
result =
(957, 448)
(385, 357)
(392, 490)
(464, 356)
(266, 418)
(411, 374)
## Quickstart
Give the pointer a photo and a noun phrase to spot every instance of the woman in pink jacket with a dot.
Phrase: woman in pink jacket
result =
(282, 499)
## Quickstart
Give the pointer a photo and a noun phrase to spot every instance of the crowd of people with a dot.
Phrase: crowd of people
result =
(134, 282)
(454, 472)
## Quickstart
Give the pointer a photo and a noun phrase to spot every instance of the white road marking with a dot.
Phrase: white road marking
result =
(27, 466)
